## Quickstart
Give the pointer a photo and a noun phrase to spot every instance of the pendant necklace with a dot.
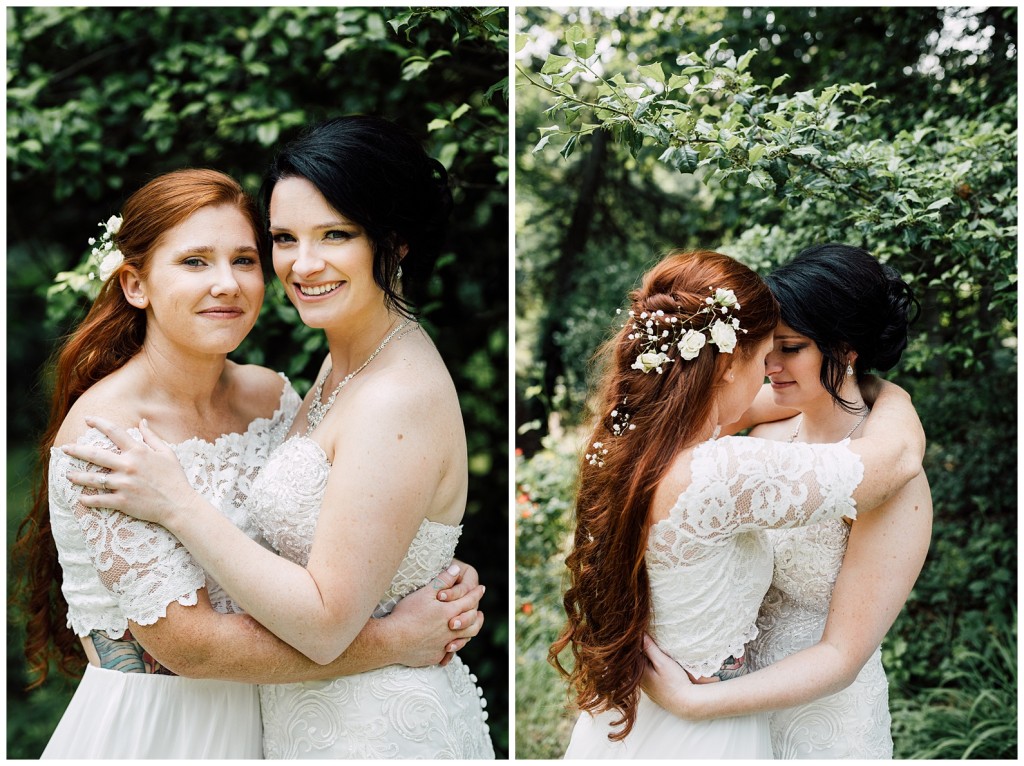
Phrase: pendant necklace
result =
(318, 410)
(796, 431)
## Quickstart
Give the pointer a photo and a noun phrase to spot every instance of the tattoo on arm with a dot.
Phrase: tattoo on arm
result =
(125, 654)
(731, 668)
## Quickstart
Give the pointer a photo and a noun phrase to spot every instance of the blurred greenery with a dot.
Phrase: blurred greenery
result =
(758, 132)
(99, 100)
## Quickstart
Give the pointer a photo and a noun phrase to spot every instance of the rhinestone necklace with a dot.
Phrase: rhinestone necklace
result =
(796, 431)
(318, 410)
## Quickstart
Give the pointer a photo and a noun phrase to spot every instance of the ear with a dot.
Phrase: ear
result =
(402, 251)
(133, 288)
(727, 373)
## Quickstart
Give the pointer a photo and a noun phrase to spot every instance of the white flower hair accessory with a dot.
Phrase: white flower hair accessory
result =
(714, 323)
(105, 254)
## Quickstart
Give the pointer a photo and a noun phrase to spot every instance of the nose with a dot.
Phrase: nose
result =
(225, 282)
(772, 364)
(307, 262)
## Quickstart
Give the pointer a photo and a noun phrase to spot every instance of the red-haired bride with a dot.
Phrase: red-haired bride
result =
(670, 537)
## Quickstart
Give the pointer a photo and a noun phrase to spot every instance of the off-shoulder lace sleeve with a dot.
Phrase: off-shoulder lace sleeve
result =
(743, 483)
(143, 565)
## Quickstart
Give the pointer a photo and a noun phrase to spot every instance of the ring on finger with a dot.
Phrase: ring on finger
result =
(103, 482)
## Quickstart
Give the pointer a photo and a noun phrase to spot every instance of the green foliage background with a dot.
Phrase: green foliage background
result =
(99, 100)
(758, 132)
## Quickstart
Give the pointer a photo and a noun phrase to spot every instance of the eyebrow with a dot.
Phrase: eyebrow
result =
(330, 225)
(787, 335)
(206, 250)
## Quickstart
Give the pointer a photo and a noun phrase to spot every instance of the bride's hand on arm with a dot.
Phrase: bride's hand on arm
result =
(667, 684)
(145, 479)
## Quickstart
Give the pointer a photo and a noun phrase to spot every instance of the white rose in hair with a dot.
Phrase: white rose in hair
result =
(114, 224)
(723, 335)
(725, 297)
(109, 264)
(690, 344)
(649, 361)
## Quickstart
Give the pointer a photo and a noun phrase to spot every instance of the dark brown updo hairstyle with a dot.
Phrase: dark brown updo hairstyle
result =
(608, 602)
(112, 333)
(379, 177)
(844, 299)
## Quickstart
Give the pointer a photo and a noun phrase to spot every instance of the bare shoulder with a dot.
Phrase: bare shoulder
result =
(256, 390)
(778, 431)
(115, 398)
(417, 383)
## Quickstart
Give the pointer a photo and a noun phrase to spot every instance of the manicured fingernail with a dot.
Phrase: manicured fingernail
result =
(145, 423)
(483, 589)
(457, 624)
(451, 647)
(442, 596)
(453, 569)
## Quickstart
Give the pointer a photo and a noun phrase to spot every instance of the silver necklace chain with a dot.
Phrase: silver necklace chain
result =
(796, 431)
(318, 410)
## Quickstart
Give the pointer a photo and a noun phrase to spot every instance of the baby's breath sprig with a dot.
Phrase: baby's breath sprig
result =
(661, 333)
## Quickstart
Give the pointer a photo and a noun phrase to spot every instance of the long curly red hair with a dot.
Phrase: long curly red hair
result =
(111, 333)
(608, 602)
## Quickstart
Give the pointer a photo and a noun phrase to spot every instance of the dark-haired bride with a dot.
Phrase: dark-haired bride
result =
(364, 499)
(839, 584)
(671, 521)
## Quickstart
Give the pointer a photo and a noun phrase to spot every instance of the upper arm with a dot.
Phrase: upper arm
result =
(389, 462)
(141, 564)
(884, 556)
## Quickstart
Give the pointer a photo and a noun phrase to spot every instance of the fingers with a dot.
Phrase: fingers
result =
(446, 579)
(464, 606)
(117, 435)
(149, 436)
(103, 458)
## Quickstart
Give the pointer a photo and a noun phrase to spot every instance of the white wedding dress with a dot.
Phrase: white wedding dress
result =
(854, 723)
(709, 564)
(117, 569)
(392, 712)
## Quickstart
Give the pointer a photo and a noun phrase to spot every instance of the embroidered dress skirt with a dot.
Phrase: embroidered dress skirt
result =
(659, 734)
(141, 715)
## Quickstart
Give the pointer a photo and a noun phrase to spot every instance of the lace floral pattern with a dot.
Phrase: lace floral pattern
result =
(393, 712)
(709, 562)
(854, 723)
(117, 568)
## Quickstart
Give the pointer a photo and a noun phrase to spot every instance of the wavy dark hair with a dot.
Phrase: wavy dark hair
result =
(378, 176)
(608, 602)
(844, 300)
(112, 333)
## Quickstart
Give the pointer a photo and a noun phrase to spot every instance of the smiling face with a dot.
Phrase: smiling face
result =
(324, 260)
(203, 287)
(794, 368)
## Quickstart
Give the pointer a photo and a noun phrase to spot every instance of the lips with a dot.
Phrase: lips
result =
(222, 312)
(780, 384)
(315, 291)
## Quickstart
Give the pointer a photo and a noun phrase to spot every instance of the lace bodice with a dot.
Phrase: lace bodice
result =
(710, 563)
(286, 505)
(392, 712)
(116, 568)
(854, 723)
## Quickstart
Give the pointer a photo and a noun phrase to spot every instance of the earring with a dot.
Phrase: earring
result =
(399, 271)
(849, 370)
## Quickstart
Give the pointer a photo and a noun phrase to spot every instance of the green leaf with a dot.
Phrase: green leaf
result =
(459, 112)
(940, 203)
(755, 153)
(570, 146)
(654, 71)
(437, 124)
(575, 34)
(555, 64)
(744, 61)
(779, 80)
